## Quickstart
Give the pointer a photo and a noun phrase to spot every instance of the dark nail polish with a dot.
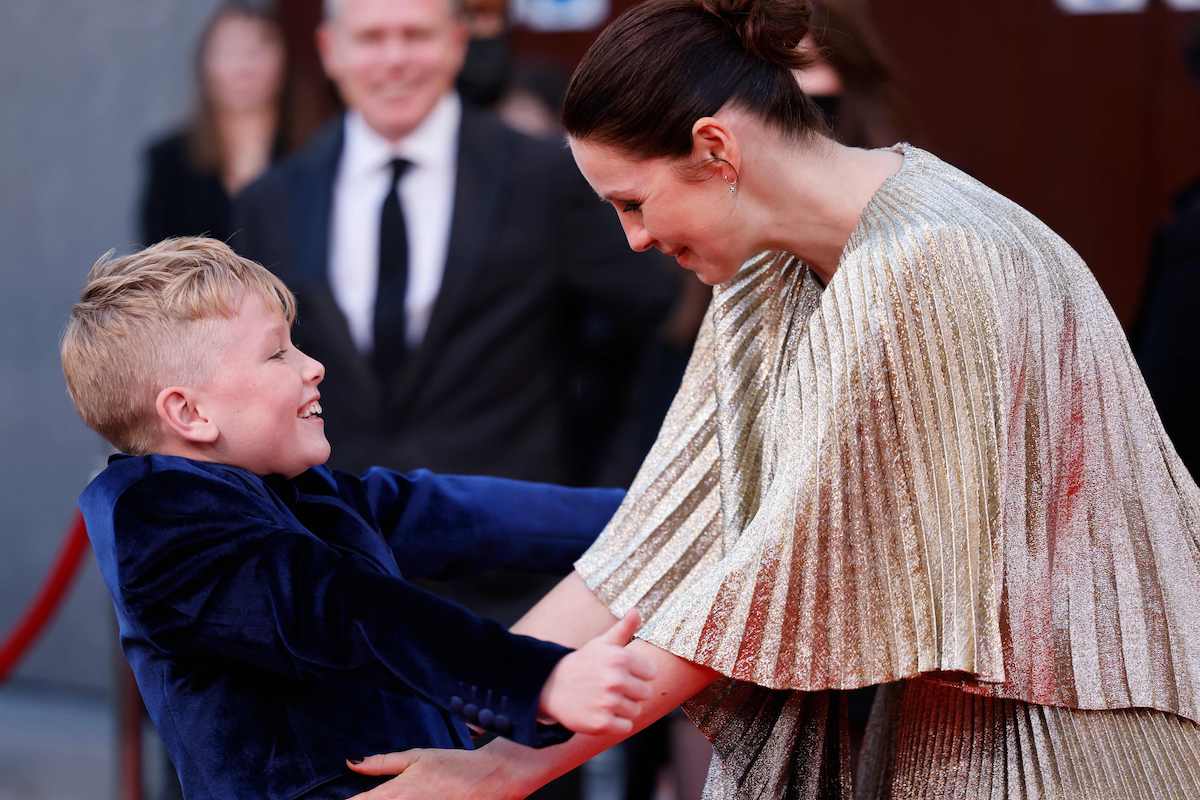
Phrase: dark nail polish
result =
(358, 760)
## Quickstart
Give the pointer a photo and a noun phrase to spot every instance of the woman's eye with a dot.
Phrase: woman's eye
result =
(279, 354)
(631, 207)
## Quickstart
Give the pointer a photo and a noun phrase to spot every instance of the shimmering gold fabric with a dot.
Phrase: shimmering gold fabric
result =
(945, 743)
(945, 461)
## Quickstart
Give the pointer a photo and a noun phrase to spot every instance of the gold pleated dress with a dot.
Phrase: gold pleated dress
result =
(941, 472)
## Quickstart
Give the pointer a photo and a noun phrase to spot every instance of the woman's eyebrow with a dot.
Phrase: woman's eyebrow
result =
(613, 197)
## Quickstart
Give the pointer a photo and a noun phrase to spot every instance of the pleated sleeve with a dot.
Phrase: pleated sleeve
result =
(820, 510)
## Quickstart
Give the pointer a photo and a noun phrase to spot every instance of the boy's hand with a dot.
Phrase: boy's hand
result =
(599, 689)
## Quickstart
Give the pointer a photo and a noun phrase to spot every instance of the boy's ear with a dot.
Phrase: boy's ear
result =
(176, 407)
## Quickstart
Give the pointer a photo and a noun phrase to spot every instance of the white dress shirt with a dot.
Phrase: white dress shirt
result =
(427, 200)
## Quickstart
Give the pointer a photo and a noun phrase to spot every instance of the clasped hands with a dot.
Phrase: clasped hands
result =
(598, 689)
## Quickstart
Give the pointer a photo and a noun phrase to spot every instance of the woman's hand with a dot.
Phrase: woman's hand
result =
(505, 770)
(444, 774)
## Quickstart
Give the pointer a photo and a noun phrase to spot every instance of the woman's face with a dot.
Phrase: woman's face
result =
(243, 64)
(663, 203)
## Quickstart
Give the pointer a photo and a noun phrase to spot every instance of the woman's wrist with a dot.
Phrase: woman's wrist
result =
(510, 765)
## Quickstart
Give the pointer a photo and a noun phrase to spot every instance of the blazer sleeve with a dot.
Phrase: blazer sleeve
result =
(440, 526)
(206, 572)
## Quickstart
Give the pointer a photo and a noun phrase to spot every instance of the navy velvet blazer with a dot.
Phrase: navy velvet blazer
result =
(272, 628)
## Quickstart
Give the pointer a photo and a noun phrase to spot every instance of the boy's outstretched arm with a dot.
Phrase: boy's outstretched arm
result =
(445, 525)
(504, 770)
(569, 614)
(205, 574)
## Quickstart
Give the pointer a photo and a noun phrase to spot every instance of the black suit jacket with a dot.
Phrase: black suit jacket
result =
(533, 256)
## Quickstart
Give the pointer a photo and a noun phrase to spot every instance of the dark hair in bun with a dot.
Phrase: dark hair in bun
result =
(769, 29)
(664, 64)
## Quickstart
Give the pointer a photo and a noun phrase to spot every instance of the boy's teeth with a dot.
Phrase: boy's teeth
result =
(313, 408)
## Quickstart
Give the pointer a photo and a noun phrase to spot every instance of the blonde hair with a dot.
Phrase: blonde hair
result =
(145, 321)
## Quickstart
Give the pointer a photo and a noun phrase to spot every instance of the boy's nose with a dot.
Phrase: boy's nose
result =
(314, 371)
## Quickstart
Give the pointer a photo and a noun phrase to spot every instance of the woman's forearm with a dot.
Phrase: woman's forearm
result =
(675, 681)
(569, 615)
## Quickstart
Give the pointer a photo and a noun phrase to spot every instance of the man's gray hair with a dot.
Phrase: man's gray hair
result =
(457, 7)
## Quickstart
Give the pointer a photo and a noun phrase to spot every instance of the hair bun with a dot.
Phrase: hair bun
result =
(769, 29)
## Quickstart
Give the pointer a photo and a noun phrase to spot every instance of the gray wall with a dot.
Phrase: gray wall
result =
(85, 85)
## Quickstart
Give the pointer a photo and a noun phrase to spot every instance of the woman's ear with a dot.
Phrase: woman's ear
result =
(177, 410)
(715, 148)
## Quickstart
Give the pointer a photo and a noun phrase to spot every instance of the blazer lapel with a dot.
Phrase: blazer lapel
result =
(330, 518)
(480, 182)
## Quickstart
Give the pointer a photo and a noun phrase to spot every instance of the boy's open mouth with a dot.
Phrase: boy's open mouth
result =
(313, 409)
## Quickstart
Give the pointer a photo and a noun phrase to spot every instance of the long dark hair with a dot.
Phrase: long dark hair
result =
(204, 145)
(664, 64)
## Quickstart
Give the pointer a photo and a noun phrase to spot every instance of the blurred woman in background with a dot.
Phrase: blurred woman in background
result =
(851, 78)
(234, 134)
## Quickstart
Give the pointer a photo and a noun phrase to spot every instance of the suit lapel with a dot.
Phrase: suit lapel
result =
(310, 201)
(331, 519)
(481, 179)
(310, 207)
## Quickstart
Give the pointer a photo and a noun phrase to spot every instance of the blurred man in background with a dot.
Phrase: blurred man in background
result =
(439, 259)
(433, 251)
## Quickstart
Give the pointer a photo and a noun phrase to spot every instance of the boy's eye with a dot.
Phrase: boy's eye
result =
(279, 354)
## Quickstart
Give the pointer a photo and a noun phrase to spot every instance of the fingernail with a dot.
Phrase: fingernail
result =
(358, 760)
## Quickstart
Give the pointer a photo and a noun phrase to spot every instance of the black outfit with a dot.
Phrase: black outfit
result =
(531, 251)
(1163, 339)
(178, 199)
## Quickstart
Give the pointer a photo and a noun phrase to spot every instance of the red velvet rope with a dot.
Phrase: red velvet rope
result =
(49, 598)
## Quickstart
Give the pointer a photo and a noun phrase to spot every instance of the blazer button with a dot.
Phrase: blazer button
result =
(502, 725)
(471, 712)
(456, 704)
(486, 717)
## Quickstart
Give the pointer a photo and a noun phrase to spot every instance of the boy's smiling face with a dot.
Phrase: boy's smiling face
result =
(258, 409)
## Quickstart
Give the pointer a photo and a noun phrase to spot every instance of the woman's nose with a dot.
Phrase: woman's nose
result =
(638, 237)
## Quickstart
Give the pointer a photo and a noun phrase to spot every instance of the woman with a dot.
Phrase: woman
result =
(912, 448)
(234, 136)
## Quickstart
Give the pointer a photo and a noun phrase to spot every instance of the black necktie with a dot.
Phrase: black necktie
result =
(389, 327)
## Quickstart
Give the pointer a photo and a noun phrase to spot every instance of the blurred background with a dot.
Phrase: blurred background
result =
(1086, 113)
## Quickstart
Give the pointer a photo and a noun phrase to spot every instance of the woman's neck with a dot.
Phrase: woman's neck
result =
(810, 197)
(247, 139)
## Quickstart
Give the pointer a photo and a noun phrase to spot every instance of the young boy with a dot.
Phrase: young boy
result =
(263, 600)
